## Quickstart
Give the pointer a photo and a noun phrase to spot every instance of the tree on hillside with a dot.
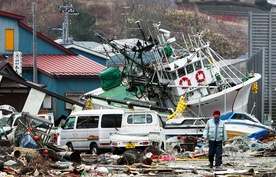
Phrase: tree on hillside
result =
(263, 4)
(80, 26)
(117, 19)
(260, 3)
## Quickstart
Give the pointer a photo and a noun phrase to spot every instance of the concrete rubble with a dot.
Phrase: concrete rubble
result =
(185, 156)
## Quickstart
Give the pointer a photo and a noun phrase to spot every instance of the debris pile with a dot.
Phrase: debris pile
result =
(184, 156)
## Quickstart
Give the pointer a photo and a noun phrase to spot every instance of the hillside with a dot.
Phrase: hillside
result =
(226, 32)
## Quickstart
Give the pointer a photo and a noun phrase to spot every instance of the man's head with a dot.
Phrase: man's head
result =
(216, 114)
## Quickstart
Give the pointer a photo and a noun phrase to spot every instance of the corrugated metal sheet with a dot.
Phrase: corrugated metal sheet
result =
(262, 43)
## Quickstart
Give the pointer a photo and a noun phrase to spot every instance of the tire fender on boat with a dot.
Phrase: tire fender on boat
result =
(185, 79)
(202, 78)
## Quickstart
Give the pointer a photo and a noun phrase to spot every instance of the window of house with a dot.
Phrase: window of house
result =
(9, 43)
(74, 96)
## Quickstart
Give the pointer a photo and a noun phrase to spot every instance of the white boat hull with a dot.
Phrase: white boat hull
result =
(184, 131)
(243, 128)
(231, 99)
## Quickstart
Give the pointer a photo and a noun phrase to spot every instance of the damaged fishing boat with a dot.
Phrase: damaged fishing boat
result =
(237, 124)
(243, 124)
(156, 73)
(185, 126)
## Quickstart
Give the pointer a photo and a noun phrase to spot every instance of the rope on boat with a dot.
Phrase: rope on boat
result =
(181, 106)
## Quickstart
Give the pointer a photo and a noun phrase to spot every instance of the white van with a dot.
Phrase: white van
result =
(89, 130)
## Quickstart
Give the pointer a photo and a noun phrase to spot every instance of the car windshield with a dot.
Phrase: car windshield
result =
(69, 124)
(4, 122)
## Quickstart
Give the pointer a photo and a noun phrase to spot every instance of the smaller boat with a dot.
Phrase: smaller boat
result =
(185, 126)
(243, 124)
(237, 124)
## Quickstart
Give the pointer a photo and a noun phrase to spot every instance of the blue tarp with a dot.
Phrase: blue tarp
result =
(258, 134)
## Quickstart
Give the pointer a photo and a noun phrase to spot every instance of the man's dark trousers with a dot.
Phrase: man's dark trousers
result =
(215, 148)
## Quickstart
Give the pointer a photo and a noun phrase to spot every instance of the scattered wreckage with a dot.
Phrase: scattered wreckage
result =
(34, 153)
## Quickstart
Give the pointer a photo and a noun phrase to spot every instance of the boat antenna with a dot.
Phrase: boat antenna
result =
(191, 42)
(253, 108)
(183, 37)
(142, 31)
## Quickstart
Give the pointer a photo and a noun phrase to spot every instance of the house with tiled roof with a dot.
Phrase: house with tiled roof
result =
(61, 70)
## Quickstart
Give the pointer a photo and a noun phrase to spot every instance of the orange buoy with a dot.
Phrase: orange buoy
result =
(36, 138)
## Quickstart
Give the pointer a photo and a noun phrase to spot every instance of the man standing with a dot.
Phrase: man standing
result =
(215, 132)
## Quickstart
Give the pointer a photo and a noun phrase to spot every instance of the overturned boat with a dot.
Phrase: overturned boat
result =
(156, 73)
(185, 126)
(236, 124)
(243, 124)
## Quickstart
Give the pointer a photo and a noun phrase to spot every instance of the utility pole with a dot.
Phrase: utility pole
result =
(68, 10)
(34, 45)
(126, 16)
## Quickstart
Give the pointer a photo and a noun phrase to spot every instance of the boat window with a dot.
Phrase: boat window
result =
(206, 62)
(249, 118)
(181, 72)
(162, 75)
(188, 122)
(139, 119)
(237, 116)
(167, 75)
(198, 65)
(243, 117)
(111, 120)
(173, 75)
(189, 68)
(199, 122)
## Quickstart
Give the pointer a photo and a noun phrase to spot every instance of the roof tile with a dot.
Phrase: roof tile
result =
(64, 65)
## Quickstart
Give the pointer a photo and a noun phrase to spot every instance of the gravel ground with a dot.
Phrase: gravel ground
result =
(233, 166)
(262, 166)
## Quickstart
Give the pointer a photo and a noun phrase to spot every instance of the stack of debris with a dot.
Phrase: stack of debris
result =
(34, 153)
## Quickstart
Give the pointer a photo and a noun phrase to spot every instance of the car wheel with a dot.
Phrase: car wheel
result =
(177, 149)
(162, 146)
(94, 149)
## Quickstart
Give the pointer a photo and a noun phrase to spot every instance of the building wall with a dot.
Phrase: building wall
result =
(16, 99)
(23, 41)
(42, 47)
(63, 87)
(8, 23)
(262, 35)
